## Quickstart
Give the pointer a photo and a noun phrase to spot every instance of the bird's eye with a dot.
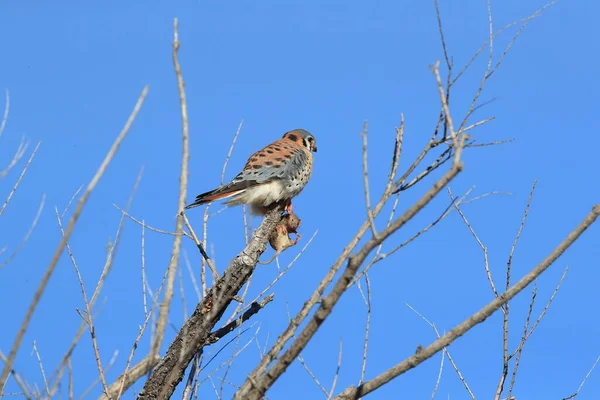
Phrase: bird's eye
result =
(310, 139)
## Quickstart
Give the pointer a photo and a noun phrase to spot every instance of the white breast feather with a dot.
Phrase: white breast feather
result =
(261, 195)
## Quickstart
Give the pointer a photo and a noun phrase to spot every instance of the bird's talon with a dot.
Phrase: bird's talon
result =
(289, 208)
(296, 240)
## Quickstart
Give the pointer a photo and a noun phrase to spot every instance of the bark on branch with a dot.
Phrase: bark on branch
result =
(194, 334)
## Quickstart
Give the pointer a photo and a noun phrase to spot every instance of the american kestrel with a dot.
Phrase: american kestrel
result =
(276, 173)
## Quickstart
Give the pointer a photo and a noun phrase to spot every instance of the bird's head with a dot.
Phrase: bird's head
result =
(303, 138)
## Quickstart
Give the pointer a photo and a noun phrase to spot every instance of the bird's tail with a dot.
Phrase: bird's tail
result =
(212, 195)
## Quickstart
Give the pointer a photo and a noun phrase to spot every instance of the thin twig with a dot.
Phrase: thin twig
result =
(280, 274)
(480, 243)
(441, 160)
(456, 141)
(583, 381)
(192, 276)
(205, 242)
(87, 318)
(305, 365)
(91, 387)
(144, 282)
(39, 359)
(442, 36)
(539, 318)
(144, 224)
(27, 235)
(337, 372)
(120, 383)
(235, 137)
(21, 149)
(367, 300)
(201, 248)
(6, 109)
(446, 352)
(506, 309)
(17, 377)
(523, 339)
(366, 178)
(14, 189)
(395, 159)
(439, 377)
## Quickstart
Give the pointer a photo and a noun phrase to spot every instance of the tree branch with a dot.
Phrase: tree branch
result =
(480, 316)
(194, 334)
(61, 246)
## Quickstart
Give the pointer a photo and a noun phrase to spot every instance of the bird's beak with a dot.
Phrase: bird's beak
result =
(314, 148)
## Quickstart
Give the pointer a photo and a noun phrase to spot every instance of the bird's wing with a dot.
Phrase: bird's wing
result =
(279, 160)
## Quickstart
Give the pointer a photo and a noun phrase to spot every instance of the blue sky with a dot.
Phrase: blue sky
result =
(74, 71)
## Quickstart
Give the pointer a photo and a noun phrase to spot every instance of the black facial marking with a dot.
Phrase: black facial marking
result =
(293, 137)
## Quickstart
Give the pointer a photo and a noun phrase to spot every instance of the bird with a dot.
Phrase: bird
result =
(277, 173)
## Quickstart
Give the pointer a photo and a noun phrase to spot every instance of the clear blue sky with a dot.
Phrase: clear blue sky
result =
(74, 71)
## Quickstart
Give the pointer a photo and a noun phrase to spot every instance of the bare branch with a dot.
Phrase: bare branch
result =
(144, 283)
(200, 247)
(583, 381)
(255, 307)
(367, 300)
(5, 116)
(145, 225)
(281, 273)
(447, 353)
(125, 381)
(366, 178)
(27, 235)
(237, 133)
(21, 149)
(506, 309)
(87, 318)
(395, 159)
(337, 372)
(483, 248)
(442, 36)
(81, 203)
(14, 189)
(475, 319)
(17, 378)
(523, 339)
(166, 303)
(39, 359)
(192, 336)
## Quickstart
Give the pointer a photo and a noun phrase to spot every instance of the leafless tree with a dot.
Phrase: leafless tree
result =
(220, 293)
